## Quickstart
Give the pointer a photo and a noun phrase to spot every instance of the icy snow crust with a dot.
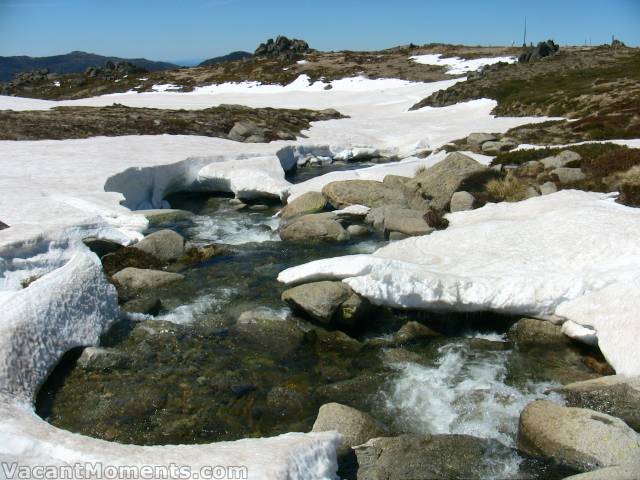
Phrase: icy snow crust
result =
(572, 255)
(54, 193)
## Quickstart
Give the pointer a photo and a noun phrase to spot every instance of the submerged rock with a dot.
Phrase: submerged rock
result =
(576, 437)
(165, 245)
(428, 456)
(96, 358)
(164, 215)
(369, 193)
(356, 427)
(614, 395)
(269, 331)
(147, 306)
(622, 472)
(435, 186)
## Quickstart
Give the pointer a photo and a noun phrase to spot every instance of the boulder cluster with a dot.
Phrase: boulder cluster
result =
(113, 70)
(283, 47)
(542, 50)
(137, 271)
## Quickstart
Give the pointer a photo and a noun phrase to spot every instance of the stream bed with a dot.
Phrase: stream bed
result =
(197, 374)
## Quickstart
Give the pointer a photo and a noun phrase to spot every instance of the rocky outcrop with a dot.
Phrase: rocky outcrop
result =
(413, 331)
(307, 203)
(434, 187)
(165, 245)
(316, 227)
(614, 395)
(369, 193)
(422, 457)
(282, 47)
(113, 70)
(576, 437)
(356, 427)
(3, 226)
(540, 51)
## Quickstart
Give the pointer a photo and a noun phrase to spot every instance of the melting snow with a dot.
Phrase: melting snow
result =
(457, 65)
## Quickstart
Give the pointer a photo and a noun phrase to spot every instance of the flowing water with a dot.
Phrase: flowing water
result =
(195, 374)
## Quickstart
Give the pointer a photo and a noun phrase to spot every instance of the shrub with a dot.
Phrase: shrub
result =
(508, 189)
(619, 160)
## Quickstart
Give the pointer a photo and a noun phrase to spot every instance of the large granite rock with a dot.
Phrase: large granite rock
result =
(140, 279)
(282, 47)
(369, 193)
(422, 457)
(315, 227)
(307, 203)
(318, 300)
(566, 175)
(165, 245)
(540, 51)
(434, 187)
(614, 395)
(408, 222)
(534, 331)
(576, 437)
(622, 472)
(477, 139)
(560, 160)
(462, 201)
(498, 146)
(356, 427)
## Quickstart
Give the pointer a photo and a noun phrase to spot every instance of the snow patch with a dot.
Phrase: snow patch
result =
(457, 65)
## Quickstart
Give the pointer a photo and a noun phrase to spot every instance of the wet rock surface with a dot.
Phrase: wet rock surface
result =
(426, 457)
(577, 437)
(356, 427)
(614, 395)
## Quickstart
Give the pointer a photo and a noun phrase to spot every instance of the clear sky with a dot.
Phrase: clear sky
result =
(196, 29)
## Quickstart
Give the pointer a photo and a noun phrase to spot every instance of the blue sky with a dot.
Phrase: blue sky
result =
(196, 29)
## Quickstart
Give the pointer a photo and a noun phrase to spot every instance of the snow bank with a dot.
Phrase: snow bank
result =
(571, 254)
(457, 65)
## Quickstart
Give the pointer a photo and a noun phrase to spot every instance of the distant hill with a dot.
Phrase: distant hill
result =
(73, 62)
(231, 57)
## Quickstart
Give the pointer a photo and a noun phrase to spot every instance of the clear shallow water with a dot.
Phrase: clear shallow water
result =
(193, 376)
